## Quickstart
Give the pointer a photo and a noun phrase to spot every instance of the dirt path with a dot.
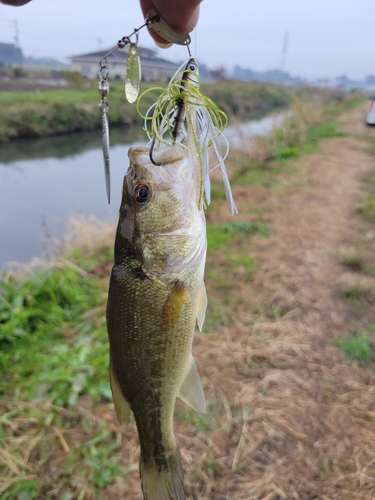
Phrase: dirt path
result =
(295, 420)
(309, 429)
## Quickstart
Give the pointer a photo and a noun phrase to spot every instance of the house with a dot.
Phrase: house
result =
(10, 54)
(152, 67)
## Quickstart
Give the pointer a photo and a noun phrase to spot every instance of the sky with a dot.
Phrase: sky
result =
(326, 38)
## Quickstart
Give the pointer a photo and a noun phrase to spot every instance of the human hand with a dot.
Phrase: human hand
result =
(181, 16)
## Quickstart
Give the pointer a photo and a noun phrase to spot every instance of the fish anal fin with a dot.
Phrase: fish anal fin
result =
(191, 390)
(173, 306)
(202, 306)
(122, 406)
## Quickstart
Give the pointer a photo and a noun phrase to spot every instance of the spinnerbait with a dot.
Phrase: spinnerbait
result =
(132, 77)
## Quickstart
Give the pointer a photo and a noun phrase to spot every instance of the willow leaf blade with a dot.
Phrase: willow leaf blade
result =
(105, 145)
(133, 74)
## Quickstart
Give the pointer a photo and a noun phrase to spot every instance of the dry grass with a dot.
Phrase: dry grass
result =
(87, 233)
(288, 134)
(351, 257)
(355, 286)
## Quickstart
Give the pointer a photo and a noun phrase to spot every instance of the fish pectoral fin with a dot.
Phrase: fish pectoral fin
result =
(191, 390)
(173, 307)
(122, 406)
(202, 306)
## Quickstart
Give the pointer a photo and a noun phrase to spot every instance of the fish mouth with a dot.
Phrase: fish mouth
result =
(163, 155)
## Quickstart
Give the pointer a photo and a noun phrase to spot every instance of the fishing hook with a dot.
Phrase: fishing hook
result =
(151, 153)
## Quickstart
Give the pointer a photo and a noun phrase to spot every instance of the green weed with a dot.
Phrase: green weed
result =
(244, 260)
(323, 131)
(42, 302)
(23, 490)
(53, 336)
(285, 153)
(202, 422)
(356, 348)
(210, 465)
(367, 208)
(220, 235)
(100, 464)
(250, 175)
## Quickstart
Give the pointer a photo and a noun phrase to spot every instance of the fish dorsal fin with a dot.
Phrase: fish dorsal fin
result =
(191, 390)
(202, 306)
(122, 406)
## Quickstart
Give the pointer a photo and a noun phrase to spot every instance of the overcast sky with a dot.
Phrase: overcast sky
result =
(327, 38)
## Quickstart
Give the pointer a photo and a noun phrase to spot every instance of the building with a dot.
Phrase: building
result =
(10, 54)
(152, 67)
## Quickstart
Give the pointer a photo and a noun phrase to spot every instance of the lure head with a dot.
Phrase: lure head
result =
(190, 76)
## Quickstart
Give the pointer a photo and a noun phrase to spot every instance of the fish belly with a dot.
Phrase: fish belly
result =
(151, 324)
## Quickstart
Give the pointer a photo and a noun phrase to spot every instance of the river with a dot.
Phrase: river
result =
(43, 182)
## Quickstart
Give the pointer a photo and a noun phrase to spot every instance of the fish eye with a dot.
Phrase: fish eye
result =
(141, 194)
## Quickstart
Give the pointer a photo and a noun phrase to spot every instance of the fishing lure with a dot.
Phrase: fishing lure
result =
(132, 77)
(133, 74)
(181, 111)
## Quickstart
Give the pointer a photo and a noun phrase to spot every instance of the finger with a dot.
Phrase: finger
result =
(182, 16)
(146, 6)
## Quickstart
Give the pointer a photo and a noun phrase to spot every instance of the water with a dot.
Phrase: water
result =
(238, 136)
(43, 182)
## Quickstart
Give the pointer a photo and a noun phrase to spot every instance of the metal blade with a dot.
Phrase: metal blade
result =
(105, 144)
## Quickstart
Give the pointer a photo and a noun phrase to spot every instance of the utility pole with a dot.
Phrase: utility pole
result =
(100, 41)
(16, 34)
(284, 51)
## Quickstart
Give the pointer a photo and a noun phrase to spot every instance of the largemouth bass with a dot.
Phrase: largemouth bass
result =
(156, 296)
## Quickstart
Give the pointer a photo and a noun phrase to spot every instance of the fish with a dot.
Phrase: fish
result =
(156, 298)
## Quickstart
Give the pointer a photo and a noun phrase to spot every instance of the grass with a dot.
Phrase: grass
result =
(82, 464)
(352, 258)
(367, 208)
(53, 336)
(40, 114)
(246, 100)
(221, 235)
(301, 131)
(39, 327)
(356, 348)
(357, 287)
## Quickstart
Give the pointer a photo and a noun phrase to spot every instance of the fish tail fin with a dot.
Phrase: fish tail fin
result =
(163, 483)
